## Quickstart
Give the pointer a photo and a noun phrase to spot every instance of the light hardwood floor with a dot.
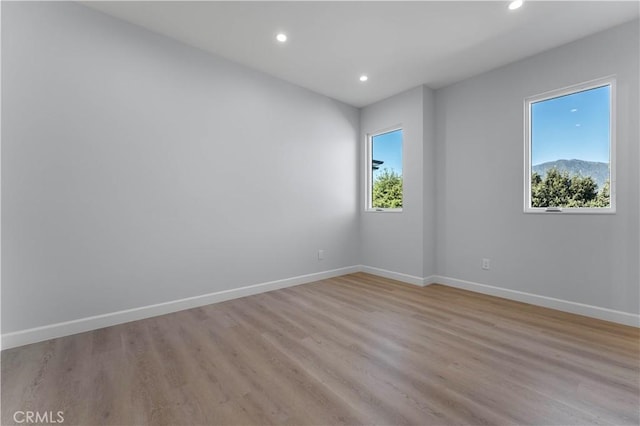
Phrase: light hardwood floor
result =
(357, 349)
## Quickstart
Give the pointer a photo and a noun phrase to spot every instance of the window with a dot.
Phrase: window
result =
(570, 149)
(384, 171)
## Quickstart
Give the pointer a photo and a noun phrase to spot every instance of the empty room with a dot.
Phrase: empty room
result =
(320, 213)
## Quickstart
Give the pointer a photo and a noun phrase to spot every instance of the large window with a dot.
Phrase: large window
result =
(384, 171)
(570, 155)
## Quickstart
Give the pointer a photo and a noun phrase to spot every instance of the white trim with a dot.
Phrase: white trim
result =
(592, 84)
(571, 210)
(398, 276)
(606, 314)
(368, 187)
(379, 210)
(431, 279)
(38, 334)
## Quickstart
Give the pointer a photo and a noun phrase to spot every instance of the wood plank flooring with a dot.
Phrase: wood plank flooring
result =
(357, 349)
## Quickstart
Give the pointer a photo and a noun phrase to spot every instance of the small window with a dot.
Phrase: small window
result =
(384, 171)
(569, 154)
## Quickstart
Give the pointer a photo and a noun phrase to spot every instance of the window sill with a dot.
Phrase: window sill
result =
(383, 211)
(571, 211)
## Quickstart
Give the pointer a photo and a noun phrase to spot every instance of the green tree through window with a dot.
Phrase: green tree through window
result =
(387, 190)
(570, 149)
(385, 170)
(559, 189)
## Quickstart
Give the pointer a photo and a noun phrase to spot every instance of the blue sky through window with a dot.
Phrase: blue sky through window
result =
(387, 147)
(575, 126)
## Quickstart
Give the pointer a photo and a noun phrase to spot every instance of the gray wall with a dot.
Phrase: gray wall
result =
(430, 182)
(136, 170)
(392, 240)
(591, 259)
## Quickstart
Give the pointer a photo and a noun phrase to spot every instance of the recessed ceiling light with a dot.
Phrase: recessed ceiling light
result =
(515, 4)
(281, 37)
(363, 77)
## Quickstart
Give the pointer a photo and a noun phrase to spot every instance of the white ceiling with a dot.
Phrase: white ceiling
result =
(399, 45)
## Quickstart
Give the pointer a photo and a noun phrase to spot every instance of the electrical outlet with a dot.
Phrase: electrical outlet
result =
(486, 264)
(320, 254)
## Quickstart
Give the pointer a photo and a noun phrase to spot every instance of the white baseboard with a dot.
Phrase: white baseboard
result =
(431, 279)
(398, 276)
(38, 334)
(606, 314)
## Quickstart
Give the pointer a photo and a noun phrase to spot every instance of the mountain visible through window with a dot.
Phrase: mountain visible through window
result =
(570, 150)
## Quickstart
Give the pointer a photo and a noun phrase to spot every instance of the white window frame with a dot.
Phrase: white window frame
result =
(368, 185)
(592, 84)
